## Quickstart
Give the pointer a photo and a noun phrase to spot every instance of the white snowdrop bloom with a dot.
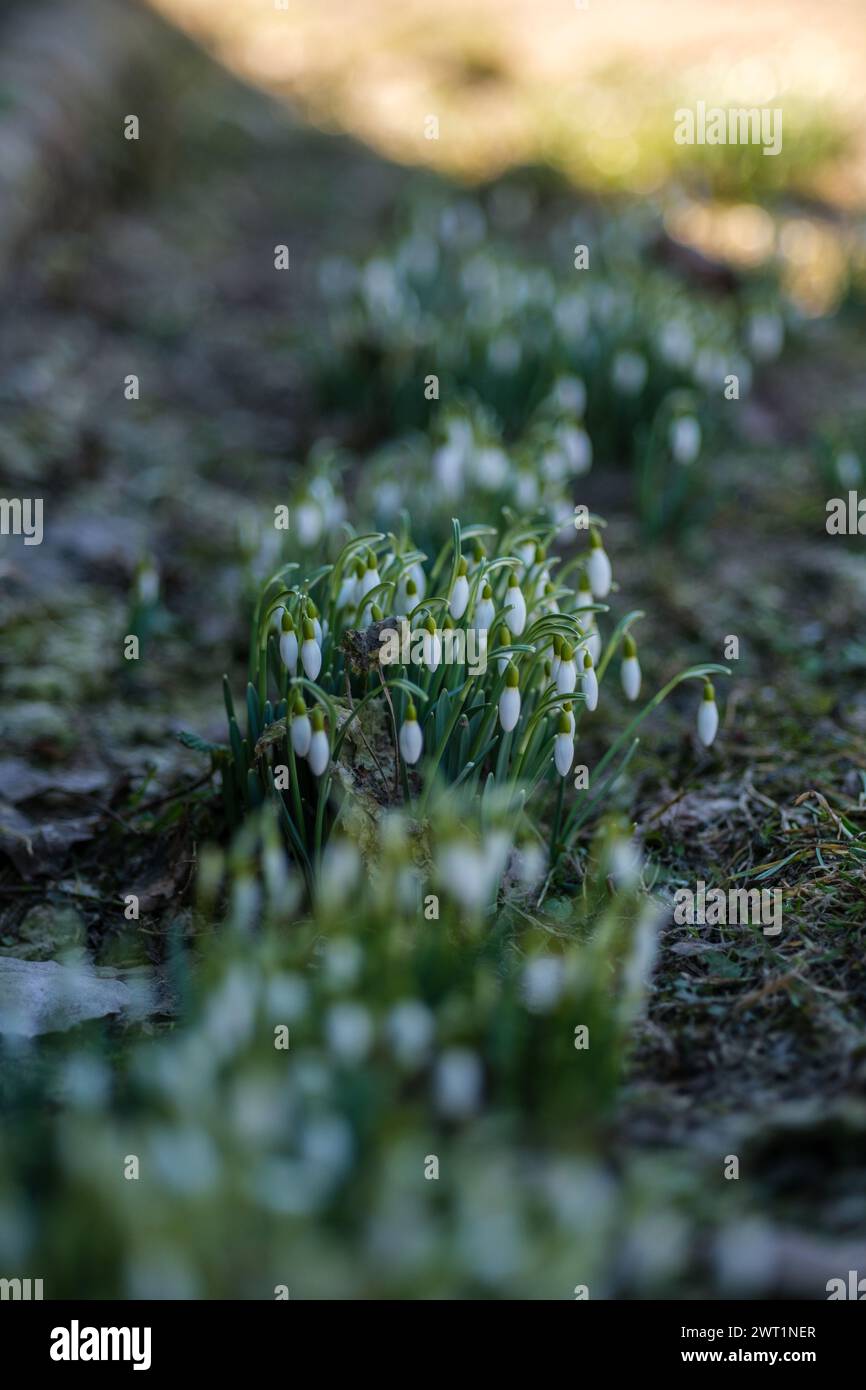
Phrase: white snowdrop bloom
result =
(457, 1083)
(556, 656)
(525, 490)
(569, 393)
(568, 711)
(460, 592)
(485, 609)
(370, 578)
(576, 445)
(598, 566)
(708, 716)
(319, 752)
(302, 729)
(848, 469)
(630, 670)
(387, 498)
(676, 343)
(490, 469)
(308, 523)
(571, 316)
(471, 873)
(593, 643)
(313, 614)
(420, 580)
(710, 368)
(504, 354)
(288, 643)
(629, 372)
(348, 594)
(327, 1142)
(410, 1028)
(525, 553)
(349, 1030)
(449, 465)
(584, 593)
(509, 702)
(563, 747)
(542, 984)
(515, 606)
(765, 335)
(431, 645)
(553, 465)
(590, 683)
(566, 676)
(684, 437)
(407, 594)
(411, 738)
(311, 652)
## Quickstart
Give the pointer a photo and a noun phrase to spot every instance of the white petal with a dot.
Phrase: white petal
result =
(289, 651)
(566, 677)
(599, 572)
(432, 650)
(708, 722)
(630, 676)
(302, 731)
(411, 741)
(319, 752)
(515, 610)
(484, 614)
(311, 658)
(459, 597)
(590, 688)
(509, 708)
(563, 753)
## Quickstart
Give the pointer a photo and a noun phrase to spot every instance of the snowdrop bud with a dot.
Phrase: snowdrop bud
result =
(419, 579)
(407, 596)
(349, 1030)
(584, 592)
(590, 682)
(566, 676)
(311, 652)
(684, 437)
(504, 641)
(568, 710)
(708, 716)
(557, 656)
(370, 578)
(289, 643)
(485, 609)
(411, 740)
(598, 566)
(301, 728)
(410, 1028)
(313, 615)
(460, 592)
(630, 670)
(509, 701)
(431, 646)
(319, 753)
(563, 746)
(550, 602)
(348, 594)
(479, 554)
(593, 643)
(515, 606)
(526, 553)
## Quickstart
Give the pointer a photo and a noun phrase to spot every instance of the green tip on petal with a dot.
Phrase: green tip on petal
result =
(448, 623)
(429, 623)
(411, 713)
(587, 661)
(564, 725)
(594, 538)
(487, 592)
(583, 583)
(567, 652)
(567, 707)
(479, 550)
(512, 580)
(629, 647)
(411, 586)
(511, 675)
(462, 567)
(318, 720)
(312, 610)
(298, 708)
(376, 613)
(540, 554)
(359, 569)
(709, 692)
(504, 637)
(371, 560)
(286, 622)
(558, 645)
(309, 630)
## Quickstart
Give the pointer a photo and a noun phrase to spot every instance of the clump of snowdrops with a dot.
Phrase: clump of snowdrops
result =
(391, 677)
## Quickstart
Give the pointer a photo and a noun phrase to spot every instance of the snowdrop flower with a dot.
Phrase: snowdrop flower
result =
(309, 522)
(569, 394)
(504, 641)
(460, 592)
(289, 643)
(765, 333)
(319, 753)
(311, 652)
(542, 984)
(563, 746)
(598, 566)
(411, 739)
(590, 682)
(485, 609)
(509, 701)
(301, 728)
(407, 594)
(584, 592)
(420, 579)
(566, 676)
(556, 660)
(457, 1083)
(348, 595)
(491, 469)
(525, 553)
(370, 578)
(431, 645)
(629, 373)
(515, 606)
(708, 716)
(684, 437)
(630, 669)
(577, 448)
